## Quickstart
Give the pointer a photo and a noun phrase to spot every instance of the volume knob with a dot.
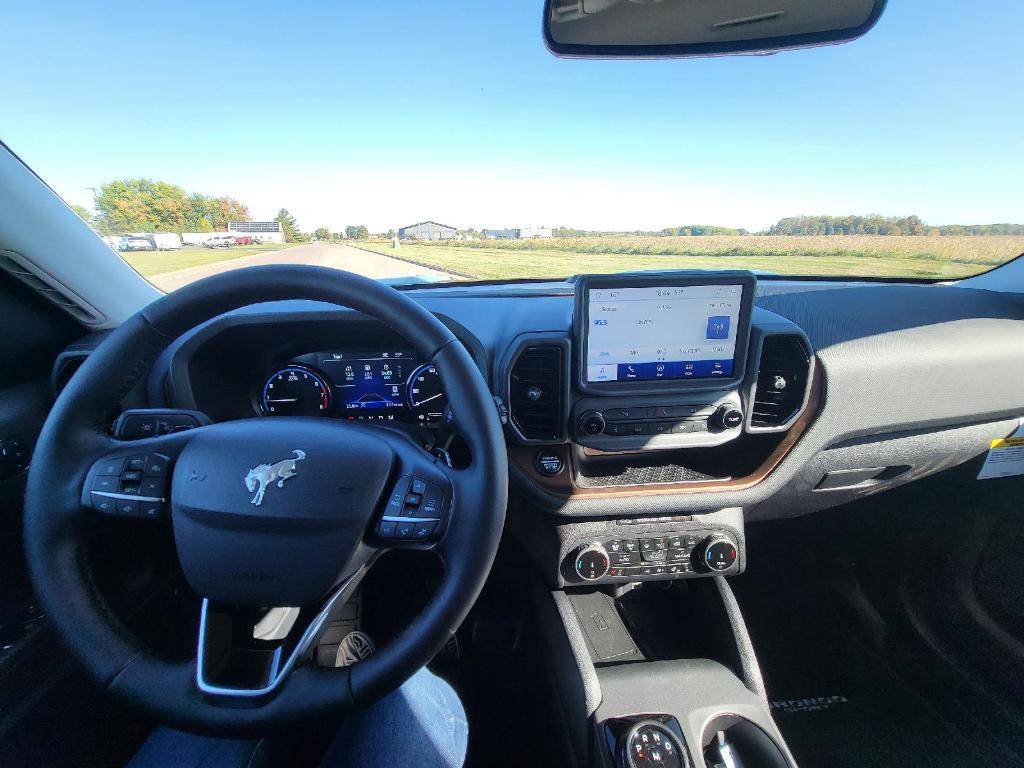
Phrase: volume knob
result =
(592, 562)
(592, 423)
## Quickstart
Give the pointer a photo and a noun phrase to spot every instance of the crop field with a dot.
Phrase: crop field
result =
(834, 256)
(149, 263)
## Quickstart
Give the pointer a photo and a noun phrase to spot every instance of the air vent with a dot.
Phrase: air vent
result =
(782, 375)
(535, 392)
(49, 288)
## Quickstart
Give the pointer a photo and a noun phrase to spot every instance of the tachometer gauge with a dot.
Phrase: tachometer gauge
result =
(295, 391)
(426, 395)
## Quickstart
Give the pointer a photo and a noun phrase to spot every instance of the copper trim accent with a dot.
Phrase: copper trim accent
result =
(563, 485)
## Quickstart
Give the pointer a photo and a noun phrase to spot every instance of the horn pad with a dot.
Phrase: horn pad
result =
(267, 512)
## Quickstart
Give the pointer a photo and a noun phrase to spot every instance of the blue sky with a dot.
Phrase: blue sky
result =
(389, 113)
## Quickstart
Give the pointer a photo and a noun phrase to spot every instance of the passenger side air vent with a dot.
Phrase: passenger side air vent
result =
(536, 392)
(49, 288)
(782, 376)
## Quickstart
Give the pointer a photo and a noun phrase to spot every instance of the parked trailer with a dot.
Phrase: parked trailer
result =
(167, 241)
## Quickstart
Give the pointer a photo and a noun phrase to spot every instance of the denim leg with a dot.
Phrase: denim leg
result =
(421, 724)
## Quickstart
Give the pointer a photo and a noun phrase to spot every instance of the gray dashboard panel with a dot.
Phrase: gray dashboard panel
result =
(895, 359)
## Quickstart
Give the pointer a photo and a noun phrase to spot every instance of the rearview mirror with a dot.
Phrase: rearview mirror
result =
(685, 28)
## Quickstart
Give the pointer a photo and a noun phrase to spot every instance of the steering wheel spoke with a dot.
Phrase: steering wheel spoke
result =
(133, 478)
(417, 509)
(249, 653)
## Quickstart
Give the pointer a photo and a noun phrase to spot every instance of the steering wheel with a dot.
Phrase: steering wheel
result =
(326, 495)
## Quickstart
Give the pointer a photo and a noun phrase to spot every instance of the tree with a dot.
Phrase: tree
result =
(130, 205)
(322, 233)
(289, 226)
(84, 213)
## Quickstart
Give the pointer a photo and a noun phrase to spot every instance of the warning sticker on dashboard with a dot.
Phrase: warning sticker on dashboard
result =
(1005, 456)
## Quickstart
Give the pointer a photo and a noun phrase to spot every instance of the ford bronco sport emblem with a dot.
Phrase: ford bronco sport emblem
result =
(261, 476)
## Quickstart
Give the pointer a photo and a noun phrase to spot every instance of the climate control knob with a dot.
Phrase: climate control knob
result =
(718, 553)
(592, 562)
(591, 423)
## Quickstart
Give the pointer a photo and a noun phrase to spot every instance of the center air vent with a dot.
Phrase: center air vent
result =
(536, 392)
(782, 374)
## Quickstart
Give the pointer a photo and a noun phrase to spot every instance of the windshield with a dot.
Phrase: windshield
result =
(442, 141)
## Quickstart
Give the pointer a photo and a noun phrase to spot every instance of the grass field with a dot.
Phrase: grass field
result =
(840, 256)
(148, 263)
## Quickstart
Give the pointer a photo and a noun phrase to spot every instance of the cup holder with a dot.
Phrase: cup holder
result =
(730, 741)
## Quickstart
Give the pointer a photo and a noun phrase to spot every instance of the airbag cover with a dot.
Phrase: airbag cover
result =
(267, 511)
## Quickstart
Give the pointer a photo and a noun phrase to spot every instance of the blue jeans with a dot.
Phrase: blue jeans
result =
(421, 724)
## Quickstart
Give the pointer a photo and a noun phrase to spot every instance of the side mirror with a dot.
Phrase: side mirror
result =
(691, 28)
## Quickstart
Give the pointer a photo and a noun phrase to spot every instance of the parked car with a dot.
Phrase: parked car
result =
(243, 240)
(219, 241)
(136, 243)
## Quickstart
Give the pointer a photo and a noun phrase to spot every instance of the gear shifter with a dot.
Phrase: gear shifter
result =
(649, 744)
(719, 753)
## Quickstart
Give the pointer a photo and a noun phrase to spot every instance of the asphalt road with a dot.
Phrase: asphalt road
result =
(320, 254)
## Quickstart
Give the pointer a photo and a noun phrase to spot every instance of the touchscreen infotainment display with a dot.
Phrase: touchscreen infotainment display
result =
(655, 333)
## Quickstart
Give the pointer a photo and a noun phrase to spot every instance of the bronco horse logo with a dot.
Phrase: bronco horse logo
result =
(263, 475)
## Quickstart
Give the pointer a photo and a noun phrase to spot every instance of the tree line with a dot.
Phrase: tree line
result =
(144, 205)
(884, 225)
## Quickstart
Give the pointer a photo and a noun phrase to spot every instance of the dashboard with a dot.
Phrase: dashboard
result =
(723, 399)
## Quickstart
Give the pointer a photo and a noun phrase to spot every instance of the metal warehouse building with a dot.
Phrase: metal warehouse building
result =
(268, 231)
(428, 230)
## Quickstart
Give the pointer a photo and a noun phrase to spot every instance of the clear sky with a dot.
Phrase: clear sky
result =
(388, 113)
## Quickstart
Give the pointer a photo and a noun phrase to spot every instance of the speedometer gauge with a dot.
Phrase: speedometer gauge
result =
(295, 391)
(426, 395)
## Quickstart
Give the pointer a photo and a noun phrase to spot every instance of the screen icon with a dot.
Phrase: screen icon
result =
(718, 327)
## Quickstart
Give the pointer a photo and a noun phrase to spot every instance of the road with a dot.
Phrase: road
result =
(319, 254)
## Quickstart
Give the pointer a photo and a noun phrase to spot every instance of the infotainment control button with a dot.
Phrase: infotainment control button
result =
(592, 423)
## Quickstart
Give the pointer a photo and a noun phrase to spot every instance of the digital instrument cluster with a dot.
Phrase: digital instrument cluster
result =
(358, 385)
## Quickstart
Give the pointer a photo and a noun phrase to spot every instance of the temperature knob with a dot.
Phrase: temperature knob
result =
(592, 562)
(719, 554)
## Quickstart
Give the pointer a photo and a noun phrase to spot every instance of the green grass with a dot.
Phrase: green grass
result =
(845, 256)
(148, 263)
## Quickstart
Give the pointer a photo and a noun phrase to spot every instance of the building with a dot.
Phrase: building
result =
(267, 231)
(521, 233)
(428, 230)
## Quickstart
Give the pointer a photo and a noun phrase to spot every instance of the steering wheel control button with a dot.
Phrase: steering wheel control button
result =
(719, 554)
(548, 463)
(405, 529)
(386, 529)
(128, 507)
(111, 467)
(413, 500)
(433, 502)
(156, 465)
(131, 477)
(424, 529)
(592, 562)
(151, 509)
(105, 484)
(135, 463)
(418, 486)
(104, 504)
